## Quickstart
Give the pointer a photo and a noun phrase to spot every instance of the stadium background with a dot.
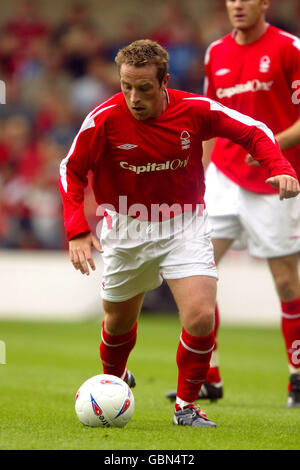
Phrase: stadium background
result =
(56, 60)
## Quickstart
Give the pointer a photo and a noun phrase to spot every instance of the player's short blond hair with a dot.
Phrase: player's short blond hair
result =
(144, 52)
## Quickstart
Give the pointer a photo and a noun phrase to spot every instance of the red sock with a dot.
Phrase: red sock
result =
(213, 375)
(114, 351)
(193, 356)
(290, 325)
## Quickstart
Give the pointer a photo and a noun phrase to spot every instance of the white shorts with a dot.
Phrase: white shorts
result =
(267, 226)
(153, 252)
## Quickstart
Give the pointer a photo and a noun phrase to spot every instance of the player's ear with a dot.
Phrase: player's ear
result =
(265, 5)
(165, 81)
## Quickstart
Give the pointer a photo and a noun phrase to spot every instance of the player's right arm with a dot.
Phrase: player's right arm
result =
(74, 170)
(80, 249)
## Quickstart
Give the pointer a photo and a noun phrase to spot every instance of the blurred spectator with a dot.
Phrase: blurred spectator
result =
(91, 89)
(27, 24)
(183, 52)
(33, 64)
(29, 187)
(36, 81)
(10, 56)
(78, 46)
(172, 17)
(177, 32)
(284, 15)
(54, 117)
(19, 161)
(130, 30)
(42, 199)
(79, 40)
(77, 17)
(215, 23)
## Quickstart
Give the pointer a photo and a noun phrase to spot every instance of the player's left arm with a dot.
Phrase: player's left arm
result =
(287, 185)
(260, 142)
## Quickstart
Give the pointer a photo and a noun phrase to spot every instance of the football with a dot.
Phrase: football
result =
(104, 401)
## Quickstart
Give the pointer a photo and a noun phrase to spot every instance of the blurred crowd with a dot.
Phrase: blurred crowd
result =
(54, 75)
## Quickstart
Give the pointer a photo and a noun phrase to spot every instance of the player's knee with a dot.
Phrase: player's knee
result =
(201, 321)
(116, 324)
(287, 287)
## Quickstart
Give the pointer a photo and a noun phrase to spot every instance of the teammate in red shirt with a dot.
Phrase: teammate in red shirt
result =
(256, 70)
(144, 148)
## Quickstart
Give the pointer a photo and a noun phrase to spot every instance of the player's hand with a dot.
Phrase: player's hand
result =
(80, 249)
(250, 161)
(287, 185)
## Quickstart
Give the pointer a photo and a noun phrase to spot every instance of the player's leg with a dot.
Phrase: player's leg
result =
(285, 273)
(221, 199)
(119, 332)
(129, 271)
(286, 277)
(213, 385)
(120, 317)
(195, 297)
(276, 238)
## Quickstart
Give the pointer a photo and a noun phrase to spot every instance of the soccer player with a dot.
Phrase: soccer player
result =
(256, 70)
(144, 147)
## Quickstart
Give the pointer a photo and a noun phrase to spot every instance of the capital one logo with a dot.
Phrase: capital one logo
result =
(149, 167)
(251, 85)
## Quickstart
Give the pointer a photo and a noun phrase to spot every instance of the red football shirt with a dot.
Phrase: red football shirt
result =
(259, 80)
(156, 161)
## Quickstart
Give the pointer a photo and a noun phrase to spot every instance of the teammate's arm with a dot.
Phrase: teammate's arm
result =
(286, 139)
(209, 91)
(208, 145)
(289, 137)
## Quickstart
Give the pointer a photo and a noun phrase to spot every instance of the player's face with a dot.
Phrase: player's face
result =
(144, 95)
(244, 14)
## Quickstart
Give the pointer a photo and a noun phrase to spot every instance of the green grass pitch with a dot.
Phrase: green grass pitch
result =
(47, 362)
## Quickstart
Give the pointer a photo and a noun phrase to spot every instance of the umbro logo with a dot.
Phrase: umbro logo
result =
(126, 146)
(221, 72)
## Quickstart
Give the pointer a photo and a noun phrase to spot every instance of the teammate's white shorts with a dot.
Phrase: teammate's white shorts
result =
(137, 255)
(269, 227)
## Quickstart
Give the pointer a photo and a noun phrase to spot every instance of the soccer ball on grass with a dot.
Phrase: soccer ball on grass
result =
(104, 401)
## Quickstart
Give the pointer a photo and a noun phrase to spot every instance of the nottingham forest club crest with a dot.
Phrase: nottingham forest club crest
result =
(264, 64)
(185, 140)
